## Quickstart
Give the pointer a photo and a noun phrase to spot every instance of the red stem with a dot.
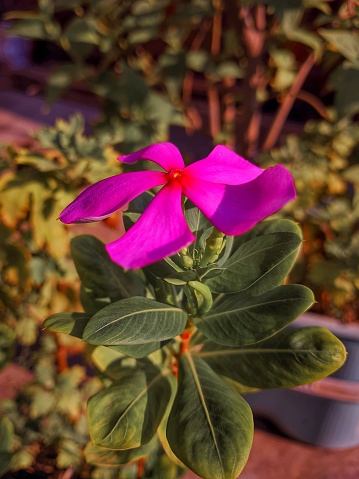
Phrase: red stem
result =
(185, 336)
(140, 468)
(287, 104)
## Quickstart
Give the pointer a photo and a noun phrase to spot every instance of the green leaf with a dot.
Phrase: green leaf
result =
(139, 350)
(242, 319)
(101, 277)
(344, 41)
(31, 27)
(210, 427)
(81, 30)
(111, 362)
(345, 80)
(42, 403)
(69, 454)
(164, 468)
(288, 359)
(260, 263)
(67, 323)
(131, 409)
(22, 459)
(59, 81)
(90, 303)
(134, 321)
(6, 434)
(5, 462)
(7, 340)
(111, 457)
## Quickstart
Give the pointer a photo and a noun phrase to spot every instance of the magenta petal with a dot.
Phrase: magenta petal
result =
(165, 154)
(222, 165)
(161, 231)
(234, 209)
(105, 197)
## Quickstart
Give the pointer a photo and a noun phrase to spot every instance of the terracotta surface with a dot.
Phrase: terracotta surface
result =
(12, 379)
(15, 129)
(275, 457)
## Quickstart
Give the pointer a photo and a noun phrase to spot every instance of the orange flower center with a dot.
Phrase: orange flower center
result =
(174, 175)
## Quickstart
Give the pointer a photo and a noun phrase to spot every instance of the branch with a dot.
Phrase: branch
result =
(254, 36)
(314, 102)
(287, 104)
(213, 97)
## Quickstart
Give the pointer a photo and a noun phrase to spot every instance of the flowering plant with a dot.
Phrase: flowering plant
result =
(178, 341)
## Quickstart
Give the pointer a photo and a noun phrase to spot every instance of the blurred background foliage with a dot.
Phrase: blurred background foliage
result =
(232, 72)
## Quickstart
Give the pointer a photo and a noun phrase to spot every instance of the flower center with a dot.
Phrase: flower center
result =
(174, 175)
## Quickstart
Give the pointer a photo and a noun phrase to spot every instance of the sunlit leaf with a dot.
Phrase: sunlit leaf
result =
(258, 264)
(210, 427)
(242, 319)
(132, 409)
(290, 358)
(111, 457)
(67, 323)
(134, 321)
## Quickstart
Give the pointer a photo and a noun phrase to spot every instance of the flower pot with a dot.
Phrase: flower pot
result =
(326, 412)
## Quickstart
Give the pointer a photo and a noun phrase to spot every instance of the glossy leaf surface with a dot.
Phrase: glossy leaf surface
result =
(210, 427)
(67, 323)
(290, 358)
(242, 319)
(101, 277)
(134, 321)
(261, 259)
(110, 457)
(130, 410)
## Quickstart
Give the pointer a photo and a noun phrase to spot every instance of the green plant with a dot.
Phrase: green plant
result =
(323, 161)
(37, 275)
(195, 324)
(148, 62)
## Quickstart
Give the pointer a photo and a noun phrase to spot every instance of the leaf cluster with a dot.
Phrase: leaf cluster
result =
(146, 60)
(36, 183)
(323, 161)
(178, 343)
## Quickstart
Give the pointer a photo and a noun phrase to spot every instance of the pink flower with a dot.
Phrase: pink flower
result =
(231, 192)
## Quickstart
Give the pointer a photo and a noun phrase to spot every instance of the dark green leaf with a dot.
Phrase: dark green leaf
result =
(130, 410)
(110, 457)
(166, 469)
(290, 358)
(111, 362)
(90, 302)
(267, 227)
(243, 319)
(345, 79)
(259, 264)
(81, 30)
(7, 340)
(210, 427)
(59, 81)
(29, 27)
(6, 434)
(5, 462)
(67, 323)
(101, 277)
(344, 41)
(134, 321)
(139, 350)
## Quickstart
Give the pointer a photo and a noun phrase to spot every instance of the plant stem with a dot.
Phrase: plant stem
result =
(314, 102)
(254, 35)
(213, 97)
(140, 468)
(287, 104)
(185, 336)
